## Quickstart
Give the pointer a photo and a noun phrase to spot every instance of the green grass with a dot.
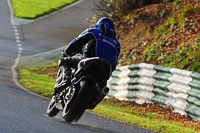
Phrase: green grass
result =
(34, 8)
(149, 119)
(135, 115)
(38, 83)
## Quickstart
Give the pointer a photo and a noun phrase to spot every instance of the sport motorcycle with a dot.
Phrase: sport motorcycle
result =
(85, 92)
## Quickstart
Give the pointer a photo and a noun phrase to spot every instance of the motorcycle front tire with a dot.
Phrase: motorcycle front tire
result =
(52, 110)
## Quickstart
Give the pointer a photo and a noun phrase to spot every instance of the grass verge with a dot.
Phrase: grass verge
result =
(136, 115)
(128, 112)
(31, 9)
(39, 83)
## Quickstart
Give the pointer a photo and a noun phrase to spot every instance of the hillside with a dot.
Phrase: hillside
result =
(166, 33)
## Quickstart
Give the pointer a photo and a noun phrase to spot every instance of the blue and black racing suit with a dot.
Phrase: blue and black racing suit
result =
(91, 43)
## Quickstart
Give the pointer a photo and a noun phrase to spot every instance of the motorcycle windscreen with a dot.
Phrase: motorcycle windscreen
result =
(107, 50)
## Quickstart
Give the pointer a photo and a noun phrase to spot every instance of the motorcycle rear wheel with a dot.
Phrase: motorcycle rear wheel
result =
(52, 110)
(73, 113)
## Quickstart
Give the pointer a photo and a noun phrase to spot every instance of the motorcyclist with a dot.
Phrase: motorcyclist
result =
(93, 42)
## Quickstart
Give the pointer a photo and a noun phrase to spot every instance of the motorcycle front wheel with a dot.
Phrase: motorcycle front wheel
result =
(52, 110)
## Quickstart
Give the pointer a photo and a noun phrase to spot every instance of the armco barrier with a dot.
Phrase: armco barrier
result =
(151, 83)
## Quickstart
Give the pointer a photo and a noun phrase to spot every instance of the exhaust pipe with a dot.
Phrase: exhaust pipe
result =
(105, 90)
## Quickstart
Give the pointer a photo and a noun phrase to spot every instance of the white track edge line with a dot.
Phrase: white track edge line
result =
(13, 68)
(15, 79)
(11, 13)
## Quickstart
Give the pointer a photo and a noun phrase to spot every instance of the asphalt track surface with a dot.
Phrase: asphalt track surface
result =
(23, 112)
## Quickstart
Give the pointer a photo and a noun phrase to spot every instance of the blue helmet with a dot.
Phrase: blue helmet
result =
(105, 21)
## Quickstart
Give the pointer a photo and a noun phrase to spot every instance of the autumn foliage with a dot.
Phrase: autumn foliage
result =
(166, 33)
(177, 41)
(163, 113)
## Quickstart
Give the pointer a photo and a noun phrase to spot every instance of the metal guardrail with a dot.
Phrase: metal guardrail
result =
(146, 83)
